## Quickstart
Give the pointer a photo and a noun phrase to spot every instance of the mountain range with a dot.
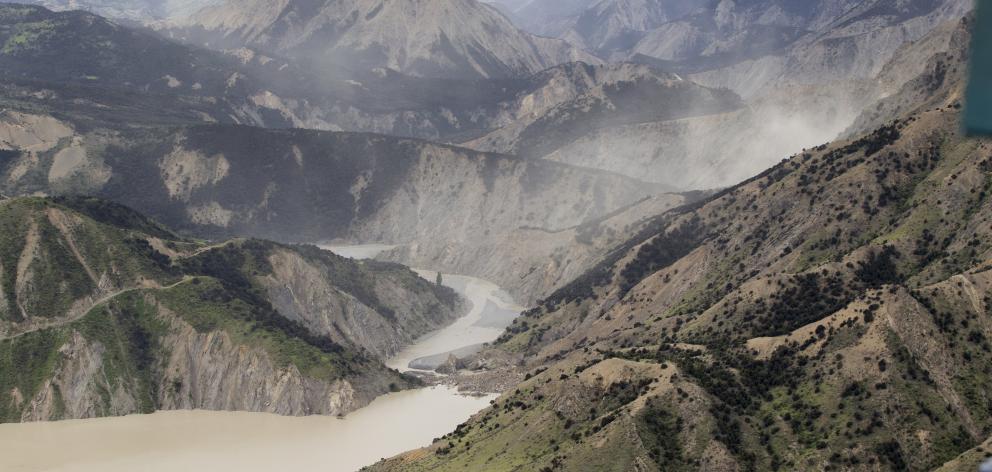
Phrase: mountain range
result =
(571, 113)
(751, 233)
(432, 38)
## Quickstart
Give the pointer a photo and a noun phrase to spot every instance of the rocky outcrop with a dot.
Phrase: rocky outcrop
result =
(211, 371)
(451, 365)
(78, 385)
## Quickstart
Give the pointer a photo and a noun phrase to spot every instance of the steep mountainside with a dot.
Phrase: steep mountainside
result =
(433, 38)
(829, 314)
(634, 120)
(82, 64)
(916, 74)
(727, 32)
(103, 312)
(306, 186)
(98, 131)
(748, 46)
(81, 47)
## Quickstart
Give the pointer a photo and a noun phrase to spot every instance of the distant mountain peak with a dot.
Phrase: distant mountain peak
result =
(432, 38)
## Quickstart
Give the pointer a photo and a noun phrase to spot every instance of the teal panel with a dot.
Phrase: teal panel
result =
(978, 107)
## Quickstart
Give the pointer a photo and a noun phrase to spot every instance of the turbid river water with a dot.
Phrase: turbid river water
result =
(250, 442)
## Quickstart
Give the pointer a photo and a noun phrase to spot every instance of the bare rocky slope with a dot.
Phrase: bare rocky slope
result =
(614, 27)
(831, 313)
(103, 312)
(432, 38)
(545, 18)
(606, 27)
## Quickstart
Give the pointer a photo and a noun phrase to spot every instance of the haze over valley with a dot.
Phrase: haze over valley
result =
(514, 235)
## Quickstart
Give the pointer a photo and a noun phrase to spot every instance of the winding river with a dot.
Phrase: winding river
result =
(249, 442)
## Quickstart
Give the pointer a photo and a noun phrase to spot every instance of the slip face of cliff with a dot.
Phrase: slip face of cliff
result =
(430, 38)
(105, 313)
(831, 313)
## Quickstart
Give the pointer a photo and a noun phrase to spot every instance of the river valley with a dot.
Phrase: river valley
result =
(248, 442)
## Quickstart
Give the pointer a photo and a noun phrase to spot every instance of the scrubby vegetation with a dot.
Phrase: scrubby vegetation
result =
(832, 314)
(662, 251)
